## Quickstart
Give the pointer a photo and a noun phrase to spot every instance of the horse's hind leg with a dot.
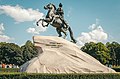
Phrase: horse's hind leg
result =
(71, 35)
(59, 32)
(65, 34)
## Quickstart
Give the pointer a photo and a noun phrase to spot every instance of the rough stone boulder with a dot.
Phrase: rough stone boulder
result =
(57, 55)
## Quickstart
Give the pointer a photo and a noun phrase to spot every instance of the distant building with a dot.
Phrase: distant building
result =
(8, 66)
(3, 65)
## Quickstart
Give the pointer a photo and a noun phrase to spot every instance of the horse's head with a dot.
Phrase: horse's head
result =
(50, 7)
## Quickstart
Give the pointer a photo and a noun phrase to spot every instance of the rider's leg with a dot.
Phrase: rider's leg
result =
(65, 33)
(66, 24)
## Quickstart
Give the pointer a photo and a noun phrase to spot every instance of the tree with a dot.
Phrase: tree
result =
(29, 51)
(98, 51)
(10, 53)
(89, 48)
(114, 48)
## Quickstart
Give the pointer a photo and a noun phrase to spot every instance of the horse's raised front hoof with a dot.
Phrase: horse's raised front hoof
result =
(37, 24)
(45, 26)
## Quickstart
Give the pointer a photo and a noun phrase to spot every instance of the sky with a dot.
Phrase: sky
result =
(90, 20)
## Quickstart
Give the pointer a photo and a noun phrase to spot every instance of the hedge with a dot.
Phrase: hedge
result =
(9, 70)
(59, 76)
(117, 69)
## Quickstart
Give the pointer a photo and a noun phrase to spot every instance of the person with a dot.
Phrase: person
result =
(60, 13)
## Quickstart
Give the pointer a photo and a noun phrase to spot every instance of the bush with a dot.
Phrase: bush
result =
(9, 70)
(59, 76)
(116, 69)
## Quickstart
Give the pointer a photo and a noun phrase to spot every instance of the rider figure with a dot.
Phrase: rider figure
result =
(60, 13)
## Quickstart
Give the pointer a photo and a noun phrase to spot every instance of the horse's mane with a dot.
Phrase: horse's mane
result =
(54, 6)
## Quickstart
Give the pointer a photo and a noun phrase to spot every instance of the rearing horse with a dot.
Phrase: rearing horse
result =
(57, 23)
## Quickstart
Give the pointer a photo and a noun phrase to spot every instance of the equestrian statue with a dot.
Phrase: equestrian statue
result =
(55, 17)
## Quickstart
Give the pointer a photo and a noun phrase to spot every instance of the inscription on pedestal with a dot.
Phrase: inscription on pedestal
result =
(54, 45)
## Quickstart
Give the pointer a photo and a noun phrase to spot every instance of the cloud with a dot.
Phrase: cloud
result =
(36, 29)
(3, 37)
(96, 34)
(1, 28)
(20, 14)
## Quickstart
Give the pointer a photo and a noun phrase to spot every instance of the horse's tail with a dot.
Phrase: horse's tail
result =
(71, 35)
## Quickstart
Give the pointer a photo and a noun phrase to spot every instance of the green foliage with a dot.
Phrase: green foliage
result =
(59, 76)
(29, 51)
(116, 69)
(2, 70)
(106, 54)
(98, 51)
(11, 53)
(114, 48)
